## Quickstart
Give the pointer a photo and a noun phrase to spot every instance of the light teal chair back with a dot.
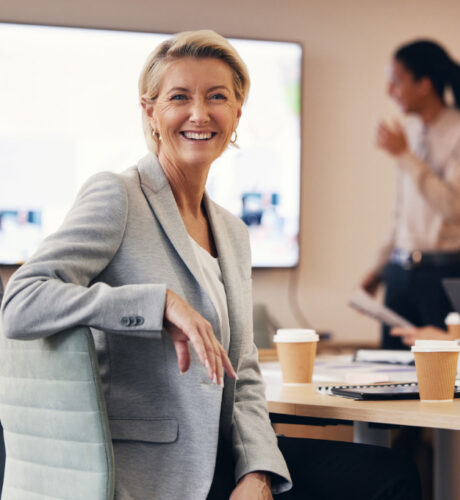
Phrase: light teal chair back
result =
(56, 429)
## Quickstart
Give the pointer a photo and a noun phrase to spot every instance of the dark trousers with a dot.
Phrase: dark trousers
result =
(417, 295)
(332, 470)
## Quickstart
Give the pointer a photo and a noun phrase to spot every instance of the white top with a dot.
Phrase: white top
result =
(427, 208)
(214, 287)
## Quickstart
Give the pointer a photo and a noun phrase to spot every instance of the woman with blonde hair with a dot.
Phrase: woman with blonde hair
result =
(163, 277)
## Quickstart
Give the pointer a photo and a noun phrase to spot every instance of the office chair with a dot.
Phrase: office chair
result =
(53, 412)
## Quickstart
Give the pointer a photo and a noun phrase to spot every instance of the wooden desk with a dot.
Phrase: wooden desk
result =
(304, 401)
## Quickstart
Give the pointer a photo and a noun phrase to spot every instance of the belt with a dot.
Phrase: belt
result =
(417, 258)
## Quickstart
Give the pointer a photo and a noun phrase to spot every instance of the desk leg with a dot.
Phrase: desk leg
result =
(365, 434)
(446, 460)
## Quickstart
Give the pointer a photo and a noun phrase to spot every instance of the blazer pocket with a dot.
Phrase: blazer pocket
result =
(154, 430)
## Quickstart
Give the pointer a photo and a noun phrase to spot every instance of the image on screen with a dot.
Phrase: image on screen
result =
(69, 107)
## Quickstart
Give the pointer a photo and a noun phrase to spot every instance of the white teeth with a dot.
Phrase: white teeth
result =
(198, 136)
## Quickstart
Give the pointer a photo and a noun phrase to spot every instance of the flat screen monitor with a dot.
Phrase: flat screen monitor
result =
(69, 108)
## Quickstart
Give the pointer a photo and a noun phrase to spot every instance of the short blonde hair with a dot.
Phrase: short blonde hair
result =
(199, 44)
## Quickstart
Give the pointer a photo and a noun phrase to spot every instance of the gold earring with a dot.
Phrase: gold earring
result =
(156, 136)
(233, 140)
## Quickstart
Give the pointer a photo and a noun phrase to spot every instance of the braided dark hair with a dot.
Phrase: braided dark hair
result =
(426, 58)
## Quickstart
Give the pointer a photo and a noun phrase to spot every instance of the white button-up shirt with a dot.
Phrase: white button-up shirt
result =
(427, 208)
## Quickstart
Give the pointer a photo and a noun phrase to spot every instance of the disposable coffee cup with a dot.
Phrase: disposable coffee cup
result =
(296, 353)
(436, 365)
(453, 324)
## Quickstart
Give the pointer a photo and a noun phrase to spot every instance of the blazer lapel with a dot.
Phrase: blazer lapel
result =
(157, 190)
(230, 276)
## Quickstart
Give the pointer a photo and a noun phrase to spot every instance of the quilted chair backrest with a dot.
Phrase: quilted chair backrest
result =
(52, 408)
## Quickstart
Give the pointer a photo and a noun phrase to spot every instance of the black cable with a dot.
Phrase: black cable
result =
(294, 299)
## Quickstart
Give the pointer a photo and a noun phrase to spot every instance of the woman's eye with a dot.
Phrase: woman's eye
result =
(178, 97)
(218, 96)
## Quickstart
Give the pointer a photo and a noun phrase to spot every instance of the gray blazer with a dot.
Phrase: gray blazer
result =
(108, 266)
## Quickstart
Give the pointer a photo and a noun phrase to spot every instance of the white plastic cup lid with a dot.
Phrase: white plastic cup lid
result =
(436, 346)
(452, 318)
(295, 335)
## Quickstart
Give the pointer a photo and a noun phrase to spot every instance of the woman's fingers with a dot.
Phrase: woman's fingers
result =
(214, 352)
(199, 344)
(383, 136)
(393, 140)
(183, 355)
(407, 335)
(220, 358)
(410, 335)
(408, 340)
(399, 331)
(184, 324)
(210, 343)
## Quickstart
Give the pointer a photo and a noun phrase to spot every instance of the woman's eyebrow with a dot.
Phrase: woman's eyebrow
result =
(185, 89)
(217, 87)
(178, 89)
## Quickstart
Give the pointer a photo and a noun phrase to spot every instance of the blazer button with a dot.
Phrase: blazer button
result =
(139, 320)
(125, 321)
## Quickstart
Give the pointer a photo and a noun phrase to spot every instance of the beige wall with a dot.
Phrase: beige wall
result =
(347, 186)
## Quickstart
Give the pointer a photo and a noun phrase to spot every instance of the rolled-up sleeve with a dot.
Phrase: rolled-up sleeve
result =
(441, 192)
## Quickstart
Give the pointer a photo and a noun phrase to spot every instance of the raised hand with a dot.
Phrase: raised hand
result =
(371, 282)
(391, 139)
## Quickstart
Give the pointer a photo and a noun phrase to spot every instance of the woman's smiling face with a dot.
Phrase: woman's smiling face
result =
(408, 92)
(196, 111)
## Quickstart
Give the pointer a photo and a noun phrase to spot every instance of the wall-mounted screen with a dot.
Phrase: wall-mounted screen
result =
(69, 108)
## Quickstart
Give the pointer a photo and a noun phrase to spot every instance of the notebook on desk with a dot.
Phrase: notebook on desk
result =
(383, 392)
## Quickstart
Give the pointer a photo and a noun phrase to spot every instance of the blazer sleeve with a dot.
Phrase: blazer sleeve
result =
(254, 442)
(54, 290)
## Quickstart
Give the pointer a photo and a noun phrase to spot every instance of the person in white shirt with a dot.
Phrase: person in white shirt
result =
(423, 246)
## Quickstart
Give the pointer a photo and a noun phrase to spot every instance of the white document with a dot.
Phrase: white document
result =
(393, 357)
(366, 304)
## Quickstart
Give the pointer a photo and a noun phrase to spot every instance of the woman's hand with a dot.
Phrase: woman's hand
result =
(371, 282)
(392, 140)
(184, 324)
(410, 335)
(253, 486)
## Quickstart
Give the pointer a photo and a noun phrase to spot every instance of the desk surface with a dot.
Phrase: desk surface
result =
(304, 400)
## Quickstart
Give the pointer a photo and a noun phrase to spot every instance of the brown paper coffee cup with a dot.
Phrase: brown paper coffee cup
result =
(296, 353)
(436, 367)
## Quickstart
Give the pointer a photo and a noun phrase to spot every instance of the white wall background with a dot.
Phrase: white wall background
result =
(347, 186)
